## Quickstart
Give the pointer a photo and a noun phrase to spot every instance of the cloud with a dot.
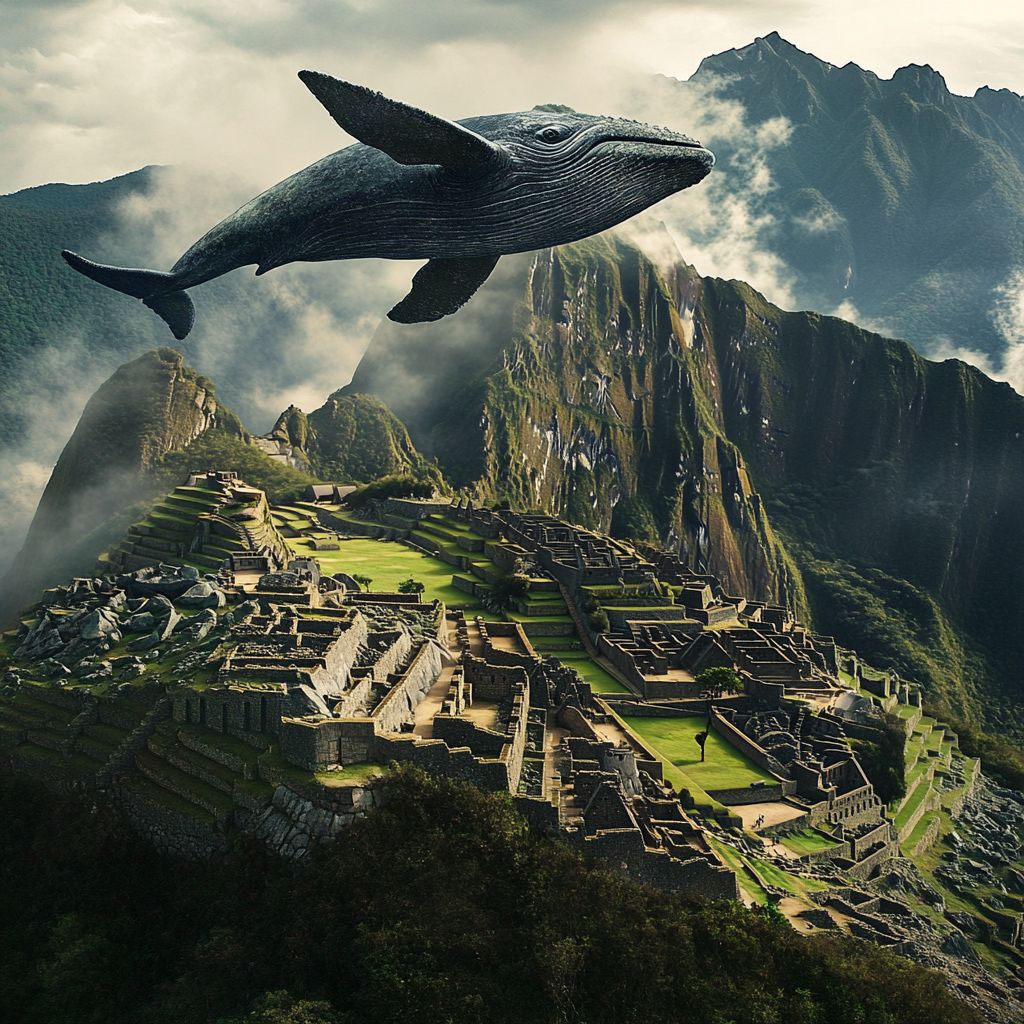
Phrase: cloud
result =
(1008, 317)
(722, 226)
(50, 417)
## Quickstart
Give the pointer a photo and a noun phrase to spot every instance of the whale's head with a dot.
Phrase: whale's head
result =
(589, 170)
(525, 180)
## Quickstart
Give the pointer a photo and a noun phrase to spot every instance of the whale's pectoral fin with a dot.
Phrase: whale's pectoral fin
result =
(441, 287)
(407, 134)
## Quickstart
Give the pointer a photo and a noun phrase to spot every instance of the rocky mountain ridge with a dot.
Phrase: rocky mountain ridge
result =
(895, 195)
(765, 446)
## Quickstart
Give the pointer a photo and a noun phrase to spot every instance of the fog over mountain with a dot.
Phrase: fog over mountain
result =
(824, 197)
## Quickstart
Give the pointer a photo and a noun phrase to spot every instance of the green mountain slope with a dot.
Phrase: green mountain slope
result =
(350, 438)
(41, 304)
(894, 194)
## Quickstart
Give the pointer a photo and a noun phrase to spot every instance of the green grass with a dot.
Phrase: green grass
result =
(351, 774)
(724, 767)
(920, 792)
(388, 563)
(807, 840)
(600, 681)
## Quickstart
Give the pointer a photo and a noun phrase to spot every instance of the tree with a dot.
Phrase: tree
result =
(505, 591)
(701, 738)
(410, 586)
(719, 680)
(363, 581)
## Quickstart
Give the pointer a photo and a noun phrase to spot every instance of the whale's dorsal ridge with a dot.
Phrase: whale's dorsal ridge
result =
(406, 134)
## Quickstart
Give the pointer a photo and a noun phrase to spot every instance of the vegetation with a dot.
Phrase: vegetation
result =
(400, 485)
(597, 617)
(1000, 758)
(410, 586)
(218, 449)
(882, 758)
(506, 591)
(356, 437)
(720, 680)
(442, 908)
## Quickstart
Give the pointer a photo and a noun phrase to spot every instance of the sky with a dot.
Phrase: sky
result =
(92, 89)
(208, 90)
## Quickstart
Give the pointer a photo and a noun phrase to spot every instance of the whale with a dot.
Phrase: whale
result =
(415, 186)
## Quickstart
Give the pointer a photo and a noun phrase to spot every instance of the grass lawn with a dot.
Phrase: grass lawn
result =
(388, 563)
(807, 840)
(917, 795)
(724, 767)
(600, 681)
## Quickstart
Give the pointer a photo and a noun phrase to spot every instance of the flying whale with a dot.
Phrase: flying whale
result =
(460, 194)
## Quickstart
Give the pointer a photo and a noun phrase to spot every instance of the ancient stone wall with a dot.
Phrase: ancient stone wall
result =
(396, 709)
(744, 744)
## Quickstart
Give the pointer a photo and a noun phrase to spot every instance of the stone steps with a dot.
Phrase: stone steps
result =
(150, 792)
(225, 750)
(184, 786)
(109, 735)
(18, 718)
(52, 714)
(199, 767)
(50, 740)
(99, 753)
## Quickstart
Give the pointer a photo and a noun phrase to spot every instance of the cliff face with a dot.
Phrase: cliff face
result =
(898, 482)
(653, 402)
(574, 388)
(150, 406)
(147, 408)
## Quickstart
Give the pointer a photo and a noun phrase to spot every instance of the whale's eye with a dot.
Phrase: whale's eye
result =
(552, 133)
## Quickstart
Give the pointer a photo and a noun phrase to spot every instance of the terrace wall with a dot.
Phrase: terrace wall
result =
(743, 743)
(396, 709)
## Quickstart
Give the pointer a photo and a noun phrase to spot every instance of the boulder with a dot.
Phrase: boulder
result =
(145, 643)
(98, 624)
(158, 606)
(199, 626)
(165, 628)
(202, 595)
(141, 622)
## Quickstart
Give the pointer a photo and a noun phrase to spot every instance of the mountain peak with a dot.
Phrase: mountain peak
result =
(924, 80)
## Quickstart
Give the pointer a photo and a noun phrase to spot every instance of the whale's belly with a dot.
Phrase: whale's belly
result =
(358, 203)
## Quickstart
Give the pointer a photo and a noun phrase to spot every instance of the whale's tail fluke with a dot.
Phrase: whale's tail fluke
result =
(155, 288)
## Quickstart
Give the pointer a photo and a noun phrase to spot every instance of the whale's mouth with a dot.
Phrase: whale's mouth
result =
(647, 140)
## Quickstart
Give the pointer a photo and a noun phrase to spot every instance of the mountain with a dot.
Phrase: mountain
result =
(155, 421)
(895, 195)
(40, 304)
(790, 453)
(350, 438)
(575, 385)
(149, 407)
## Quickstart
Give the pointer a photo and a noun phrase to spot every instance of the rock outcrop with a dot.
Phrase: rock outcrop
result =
(147, 408)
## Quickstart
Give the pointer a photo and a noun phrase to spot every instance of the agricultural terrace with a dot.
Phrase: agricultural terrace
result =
(673, 739)
(388, 563)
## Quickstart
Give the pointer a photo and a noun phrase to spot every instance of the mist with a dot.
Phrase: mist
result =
(88, 90)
